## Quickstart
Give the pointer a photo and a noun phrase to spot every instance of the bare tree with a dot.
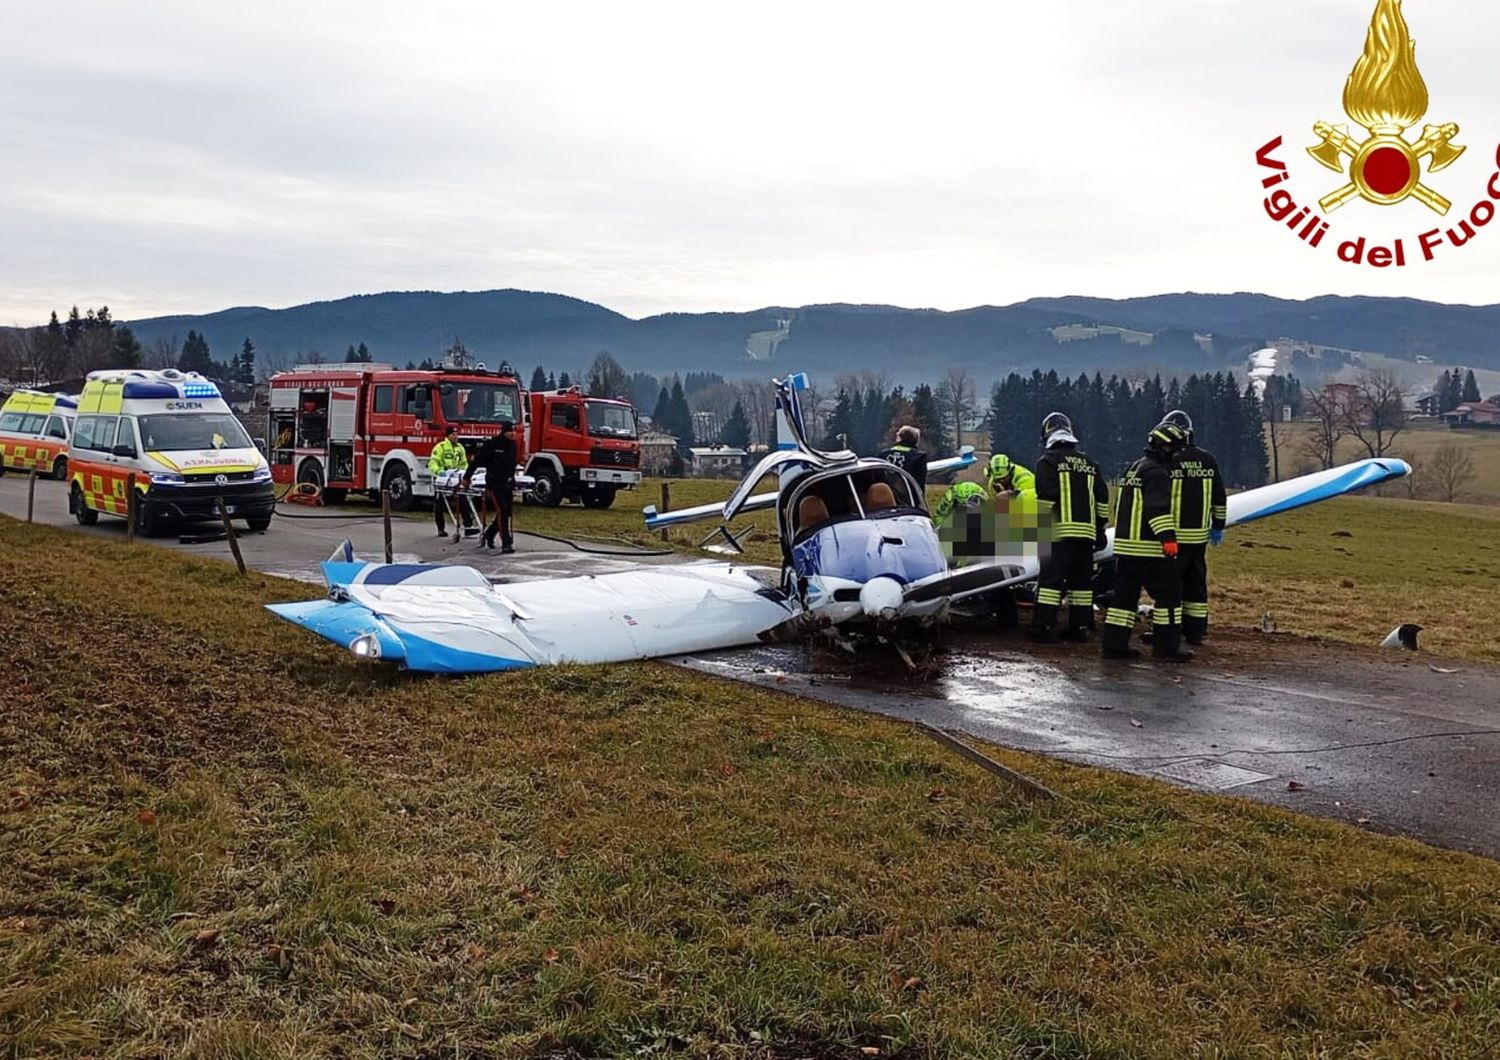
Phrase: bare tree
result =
(1328, 427)
(1450, 469)
(605, 378)
(955, 397)
(1378, 412)
(1414, 483)
(162, 352)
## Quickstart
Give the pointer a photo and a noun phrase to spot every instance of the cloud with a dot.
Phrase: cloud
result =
(174, 157)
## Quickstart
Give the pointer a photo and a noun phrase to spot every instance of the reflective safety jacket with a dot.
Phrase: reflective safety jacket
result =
(1021, 480)
(1143, 509)
(1198, 501)
(959, 495)
(1072, 484)
(447, 456)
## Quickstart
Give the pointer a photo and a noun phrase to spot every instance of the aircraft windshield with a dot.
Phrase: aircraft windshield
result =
(611, 421)
(192, 430)
(480, 402)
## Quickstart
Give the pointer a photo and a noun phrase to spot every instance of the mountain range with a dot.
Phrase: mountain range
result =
(1171, 333)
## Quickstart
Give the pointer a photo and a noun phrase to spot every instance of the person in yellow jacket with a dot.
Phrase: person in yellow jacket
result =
(1006, 476)
(447, 455)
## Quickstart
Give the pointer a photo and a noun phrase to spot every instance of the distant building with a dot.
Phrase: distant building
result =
(1474, 414)
(657, 448)
(1426, 403)
(715, 461)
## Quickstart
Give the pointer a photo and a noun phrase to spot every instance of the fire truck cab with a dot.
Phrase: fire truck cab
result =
(580, 448)
(371, 427)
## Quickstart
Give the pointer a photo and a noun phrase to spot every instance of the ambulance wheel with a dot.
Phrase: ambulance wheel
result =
(598, 497)
(85, 515)
(147, 522)
(60, 469)
(397, 482)
(260, 524)
(546, 491)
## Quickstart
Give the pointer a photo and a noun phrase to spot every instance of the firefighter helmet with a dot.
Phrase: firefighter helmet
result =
(1168, 437)
(1182, 419)
(1056, 428)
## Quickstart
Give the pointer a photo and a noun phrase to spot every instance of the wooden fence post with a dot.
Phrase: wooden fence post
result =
(385, 515)
(30, 495)
(234, 542)
(130, 507)
(666, 504)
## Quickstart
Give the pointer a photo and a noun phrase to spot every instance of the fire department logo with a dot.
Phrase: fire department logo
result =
(1386, 94)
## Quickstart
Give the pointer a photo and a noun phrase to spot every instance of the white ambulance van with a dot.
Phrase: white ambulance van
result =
(175, 433)
(34, 431)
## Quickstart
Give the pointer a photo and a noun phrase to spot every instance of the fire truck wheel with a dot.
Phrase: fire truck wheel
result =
(398, 481)
(547, 491)
(60, 469)
(85, 515)
(598, 497)
(310, 473)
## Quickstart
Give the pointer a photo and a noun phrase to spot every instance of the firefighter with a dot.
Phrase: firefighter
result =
(905, 455)
(1071, 484)
(1146, 552)
(1200, 509)
(447, 455)
(498, 458)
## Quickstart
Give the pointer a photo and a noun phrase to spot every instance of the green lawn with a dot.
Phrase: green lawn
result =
(1417, 444)
(222, 837)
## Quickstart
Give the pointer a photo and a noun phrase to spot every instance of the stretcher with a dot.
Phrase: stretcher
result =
(463, 506)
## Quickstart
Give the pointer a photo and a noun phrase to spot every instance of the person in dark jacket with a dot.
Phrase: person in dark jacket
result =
(905, 455)
(497, 455)
(1146, 552)
(1200, 508)
(1072, 487)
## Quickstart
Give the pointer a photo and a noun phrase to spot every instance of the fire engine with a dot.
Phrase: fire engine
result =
(371, 427)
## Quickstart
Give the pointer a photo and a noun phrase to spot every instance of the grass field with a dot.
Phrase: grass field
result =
(1417, 443)
(224, 838)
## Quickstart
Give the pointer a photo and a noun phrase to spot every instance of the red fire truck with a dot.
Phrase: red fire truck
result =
(368, 427)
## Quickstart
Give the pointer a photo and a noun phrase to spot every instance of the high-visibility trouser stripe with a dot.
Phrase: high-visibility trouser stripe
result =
(1049, 596)
(1166, 616)
(1195, 610)
(1072, 531)
(1118, 616)
(1081, 598)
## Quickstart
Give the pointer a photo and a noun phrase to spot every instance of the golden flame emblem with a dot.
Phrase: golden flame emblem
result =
(1386, 94)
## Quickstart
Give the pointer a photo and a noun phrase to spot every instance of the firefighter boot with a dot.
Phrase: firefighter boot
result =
(1080, 622)
(1043, 623)
(1167, 646)
(1116, 642)
(1195, 627)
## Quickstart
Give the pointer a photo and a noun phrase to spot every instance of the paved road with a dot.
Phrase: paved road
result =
(301, 538)
(1372, 737)
(1363, 732)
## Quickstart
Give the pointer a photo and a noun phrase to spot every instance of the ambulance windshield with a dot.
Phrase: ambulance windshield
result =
(192, 430)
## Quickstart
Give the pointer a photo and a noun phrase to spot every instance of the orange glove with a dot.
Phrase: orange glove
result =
(1169, 548)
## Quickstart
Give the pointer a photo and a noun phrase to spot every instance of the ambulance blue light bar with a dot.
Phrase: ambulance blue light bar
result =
(199, 390)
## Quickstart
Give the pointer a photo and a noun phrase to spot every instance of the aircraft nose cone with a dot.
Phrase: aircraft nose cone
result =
(880, 597)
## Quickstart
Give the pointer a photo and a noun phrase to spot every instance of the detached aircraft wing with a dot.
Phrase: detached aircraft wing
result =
(443, 619)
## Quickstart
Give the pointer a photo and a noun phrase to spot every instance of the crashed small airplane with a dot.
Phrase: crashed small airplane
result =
(858, 547)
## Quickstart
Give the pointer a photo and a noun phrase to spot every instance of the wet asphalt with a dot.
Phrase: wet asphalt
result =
(1373, 737)
(1376, 738)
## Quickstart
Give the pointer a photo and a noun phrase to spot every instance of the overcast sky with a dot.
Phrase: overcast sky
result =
(169, 157)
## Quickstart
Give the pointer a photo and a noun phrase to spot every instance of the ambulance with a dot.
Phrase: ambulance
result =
(34, 432)
(175, 433)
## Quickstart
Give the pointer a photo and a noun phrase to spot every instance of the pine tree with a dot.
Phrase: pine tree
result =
(564, 381)
(682, 416)
(661, 416)
(538, 378)
(363, 354)
(924, 414)
(736, 430)
(196, 356)
(125, 349)
(350, 355)
(73, 329)
(840, 423)
(247, 363)
(1471, 387)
